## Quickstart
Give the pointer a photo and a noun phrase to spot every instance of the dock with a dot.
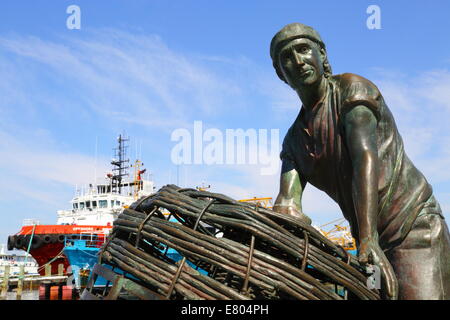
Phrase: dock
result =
(22, 282)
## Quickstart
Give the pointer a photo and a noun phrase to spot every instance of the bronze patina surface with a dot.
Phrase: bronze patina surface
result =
(345, 142)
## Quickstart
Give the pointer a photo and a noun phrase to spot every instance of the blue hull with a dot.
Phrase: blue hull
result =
(81, 256)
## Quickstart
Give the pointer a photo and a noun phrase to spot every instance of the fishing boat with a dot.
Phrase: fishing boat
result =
(80, 231)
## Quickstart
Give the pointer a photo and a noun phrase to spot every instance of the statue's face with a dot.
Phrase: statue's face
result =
(301, 62)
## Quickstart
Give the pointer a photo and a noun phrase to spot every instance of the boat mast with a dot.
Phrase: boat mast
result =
(120, 165)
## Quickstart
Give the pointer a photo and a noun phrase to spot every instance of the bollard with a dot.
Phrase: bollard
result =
(48, 270)
(60, 269)
(20, 282)
(5, 284)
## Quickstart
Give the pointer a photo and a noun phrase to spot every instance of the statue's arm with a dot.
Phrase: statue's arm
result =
(360, 131)
(291, 189)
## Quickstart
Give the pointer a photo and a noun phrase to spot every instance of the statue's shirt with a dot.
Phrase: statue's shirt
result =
(315, 144)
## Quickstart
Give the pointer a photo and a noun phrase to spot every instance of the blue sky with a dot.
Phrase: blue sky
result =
(147, 68)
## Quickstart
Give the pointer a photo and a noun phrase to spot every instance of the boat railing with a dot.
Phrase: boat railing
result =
(85, 240)
(30, 222)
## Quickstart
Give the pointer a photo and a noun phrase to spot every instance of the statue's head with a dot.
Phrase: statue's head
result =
(299, 55)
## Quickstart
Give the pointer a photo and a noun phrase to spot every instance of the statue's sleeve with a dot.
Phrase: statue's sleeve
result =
(356, 91)
(287, 155)
(286, 150)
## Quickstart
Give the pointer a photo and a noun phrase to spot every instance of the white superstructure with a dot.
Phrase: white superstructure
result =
(100, 204)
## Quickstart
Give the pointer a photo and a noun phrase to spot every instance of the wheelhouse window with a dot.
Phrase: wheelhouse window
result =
(94, 204)
(112, 203)
(103, 203)
(75, 206)
(81, 205)
(118, 203)
(88, 204)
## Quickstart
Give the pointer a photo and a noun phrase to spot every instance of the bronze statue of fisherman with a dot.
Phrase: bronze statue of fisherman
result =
(345, 142)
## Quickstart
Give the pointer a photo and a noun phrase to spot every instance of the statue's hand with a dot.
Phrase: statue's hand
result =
(290, 210)
(371, 253)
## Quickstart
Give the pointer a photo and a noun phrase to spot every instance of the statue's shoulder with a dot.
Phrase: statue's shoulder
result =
(357, 90)
(353, 81)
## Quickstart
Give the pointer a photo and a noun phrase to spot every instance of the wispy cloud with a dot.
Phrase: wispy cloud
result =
(421, 108)
(124, 76)
(37, 159)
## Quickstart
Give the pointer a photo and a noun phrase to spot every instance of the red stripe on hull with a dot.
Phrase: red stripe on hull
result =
(63, 229)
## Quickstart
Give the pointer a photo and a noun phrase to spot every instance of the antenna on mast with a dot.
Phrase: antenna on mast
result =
(95, 163)
(120, 164)
(136, 150)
